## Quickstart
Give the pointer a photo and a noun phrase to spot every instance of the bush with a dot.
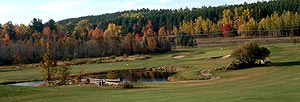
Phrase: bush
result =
(293, 40)
(127, 85)
(111, 75)
(219, 33)
(64, 74)
(248, 53)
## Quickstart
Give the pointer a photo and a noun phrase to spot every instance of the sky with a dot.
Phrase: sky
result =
(23, 11)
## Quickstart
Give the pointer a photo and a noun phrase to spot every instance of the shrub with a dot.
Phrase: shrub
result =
(127, 85)
(293, 40)
(79, 76)
(249, 52)
(219, 33)
(111, 75)
(64, 74)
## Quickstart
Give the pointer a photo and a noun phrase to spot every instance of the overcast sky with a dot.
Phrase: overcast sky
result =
(23, 11)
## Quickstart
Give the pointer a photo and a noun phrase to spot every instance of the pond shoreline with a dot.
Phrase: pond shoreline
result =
(165, 69)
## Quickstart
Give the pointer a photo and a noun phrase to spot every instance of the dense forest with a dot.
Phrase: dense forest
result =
(172, 18)
(143, 31)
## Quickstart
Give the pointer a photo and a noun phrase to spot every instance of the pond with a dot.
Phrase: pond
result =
(32, 83)
(139, 76)
(125, 76)
(148, 76)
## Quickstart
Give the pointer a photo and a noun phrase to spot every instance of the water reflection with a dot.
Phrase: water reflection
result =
(33, 83)
(148, 76)
(130, 76)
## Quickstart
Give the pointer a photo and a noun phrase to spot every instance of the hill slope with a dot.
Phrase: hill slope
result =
(170, 18)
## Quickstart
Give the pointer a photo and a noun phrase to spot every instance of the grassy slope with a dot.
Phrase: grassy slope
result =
(278, 82)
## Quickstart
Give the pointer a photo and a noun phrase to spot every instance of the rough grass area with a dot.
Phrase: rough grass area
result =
(276, 82)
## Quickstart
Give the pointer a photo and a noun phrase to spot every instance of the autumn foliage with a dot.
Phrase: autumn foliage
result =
(136, 33)
(226, 29)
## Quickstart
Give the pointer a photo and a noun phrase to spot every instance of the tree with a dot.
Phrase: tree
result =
(111, 75)
(241, 17)
(48, 32)
(21, 32)
(212, 27)
(175, 30)
(249, 52)
(82, 29)
(97, 33)
(9, 29)
(163, 40)
(69, 27)
(51, 24)
(112, 31)
(6, 38)
(36, 26)
(112, 39)
(149, 31)
(249, 26)
(48, 69)
(150, 37)
(129, 44)
(227, 18)
(79, 75)
(225, 23)
(186, 27)
(162, 31)
(198, 25)
(64, 74)
(225, 29)
(287, 17)
(296, 20)
(276, 23)
(238, 19)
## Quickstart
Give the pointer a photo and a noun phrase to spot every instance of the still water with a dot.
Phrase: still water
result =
(32, 83)
(148, 76)
(136, 76)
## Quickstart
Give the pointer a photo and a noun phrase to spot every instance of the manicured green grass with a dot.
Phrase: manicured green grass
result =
(276, 82)
(192, 58)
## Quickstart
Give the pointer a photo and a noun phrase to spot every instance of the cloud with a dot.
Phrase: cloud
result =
(5, 9)
(139, 4)
(129, 4)
(60, 5)
(163, 1)
(61, 9)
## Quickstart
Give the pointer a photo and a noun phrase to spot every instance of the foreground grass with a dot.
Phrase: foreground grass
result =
(278, 81)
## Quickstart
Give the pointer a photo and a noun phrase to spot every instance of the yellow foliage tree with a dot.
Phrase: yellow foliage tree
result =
(48, 69)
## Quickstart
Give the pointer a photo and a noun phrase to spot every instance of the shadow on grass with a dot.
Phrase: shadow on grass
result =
(9, 70)
(292, 63)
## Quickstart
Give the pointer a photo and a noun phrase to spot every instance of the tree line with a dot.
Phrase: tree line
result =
(142, 31)
(16, 48)
(135, 20)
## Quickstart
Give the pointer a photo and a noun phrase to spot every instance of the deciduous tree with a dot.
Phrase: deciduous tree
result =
(48, 69)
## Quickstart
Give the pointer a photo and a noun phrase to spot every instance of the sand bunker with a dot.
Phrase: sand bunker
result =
(178, 56)
(216, 57)
(226, 56)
